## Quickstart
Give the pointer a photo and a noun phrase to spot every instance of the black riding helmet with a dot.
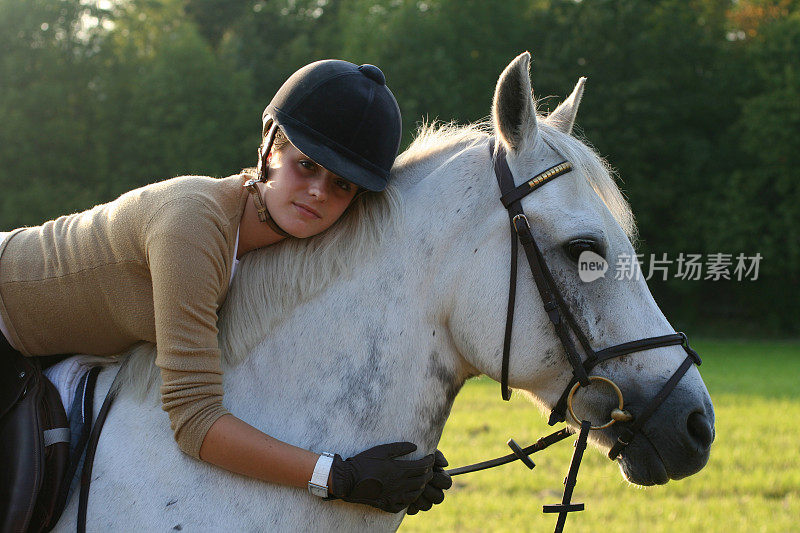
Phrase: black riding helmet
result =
(342, 116)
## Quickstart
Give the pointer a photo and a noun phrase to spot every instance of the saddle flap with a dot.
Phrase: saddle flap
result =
(35, 452)
(20, 459)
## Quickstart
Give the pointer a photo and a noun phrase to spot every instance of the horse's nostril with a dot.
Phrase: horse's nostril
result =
(700, 430)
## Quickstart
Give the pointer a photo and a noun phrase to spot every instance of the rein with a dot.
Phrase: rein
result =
(91, 448)
(564, 323)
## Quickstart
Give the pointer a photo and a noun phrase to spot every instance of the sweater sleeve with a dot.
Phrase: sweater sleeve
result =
(186, 250)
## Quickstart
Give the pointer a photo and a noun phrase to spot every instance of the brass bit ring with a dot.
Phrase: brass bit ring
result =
(617, 415)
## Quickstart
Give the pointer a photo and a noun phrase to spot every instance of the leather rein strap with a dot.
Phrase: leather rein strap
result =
(91, 448)
(519, 453)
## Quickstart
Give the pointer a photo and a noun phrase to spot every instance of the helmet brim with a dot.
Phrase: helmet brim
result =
(335, 159)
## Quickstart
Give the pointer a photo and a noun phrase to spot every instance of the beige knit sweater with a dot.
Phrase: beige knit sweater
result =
(153, 265)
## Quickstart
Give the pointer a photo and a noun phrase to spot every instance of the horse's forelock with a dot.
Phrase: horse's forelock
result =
(598, 173)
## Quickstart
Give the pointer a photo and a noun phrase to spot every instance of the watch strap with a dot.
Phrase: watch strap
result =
(318, 486)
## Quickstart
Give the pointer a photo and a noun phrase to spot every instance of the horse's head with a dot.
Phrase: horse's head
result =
(580, 211)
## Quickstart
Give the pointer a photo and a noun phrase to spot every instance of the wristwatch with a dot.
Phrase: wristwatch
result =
(318, 486)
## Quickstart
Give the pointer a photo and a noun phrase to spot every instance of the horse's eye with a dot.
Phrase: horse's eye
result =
(576, 247)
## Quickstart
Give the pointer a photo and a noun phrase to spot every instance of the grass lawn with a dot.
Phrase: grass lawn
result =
(751, 482)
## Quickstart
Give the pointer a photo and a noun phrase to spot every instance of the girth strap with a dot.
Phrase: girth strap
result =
(91, 448)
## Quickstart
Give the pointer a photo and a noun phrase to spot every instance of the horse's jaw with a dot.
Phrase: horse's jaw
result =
(642, 463)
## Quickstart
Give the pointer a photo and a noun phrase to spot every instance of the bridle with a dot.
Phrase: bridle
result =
(564, 322)
(561, 316)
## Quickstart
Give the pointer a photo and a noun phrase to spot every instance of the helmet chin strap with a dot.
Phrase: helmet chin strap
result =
(251, 185)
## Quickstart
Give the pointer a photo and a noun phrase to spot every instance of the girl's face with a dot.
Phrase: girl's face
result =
(303, 198)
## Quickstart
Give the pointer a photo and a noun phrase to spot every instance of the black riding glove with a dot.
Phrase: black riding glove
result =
(375, 477)
(433, 494)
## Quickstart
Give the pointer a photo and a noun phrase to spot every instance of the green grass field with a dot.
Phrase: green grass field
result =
(751, 482)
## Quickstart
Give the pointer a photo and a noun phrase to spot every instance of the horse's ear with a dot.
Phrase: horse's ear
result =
(563, 117)
(513, 108)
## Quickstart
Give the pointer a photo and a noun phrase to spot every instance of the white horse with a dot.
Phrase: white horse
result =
(333, 351)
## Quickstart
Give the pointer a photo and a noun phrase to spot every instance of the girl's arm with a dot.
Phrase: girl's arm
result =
(186, 247)
(374, 477)
(239, 447)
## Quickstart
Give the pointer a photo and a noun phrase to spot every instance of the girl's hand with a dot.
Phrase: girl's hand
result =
(433, 494)
(376, 477)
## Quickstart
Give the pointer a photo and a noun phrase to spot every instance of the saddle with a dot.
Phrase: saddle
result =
(41, 446)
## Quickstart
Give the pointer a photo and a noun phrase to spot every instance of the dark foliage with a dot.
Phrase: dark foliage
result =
(696, 104)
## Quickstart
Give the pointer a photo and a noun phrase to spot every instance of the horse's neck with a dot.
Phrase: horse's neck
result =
(412, 167)
(368, 361)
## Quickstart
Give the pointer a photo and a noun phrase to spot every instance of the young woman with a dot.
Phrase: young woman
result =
(155, 265)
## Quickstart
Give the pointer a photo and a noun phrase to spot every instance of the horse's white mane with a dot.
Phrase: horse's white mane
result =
(434, 139)
(297, 270)
(598, 173)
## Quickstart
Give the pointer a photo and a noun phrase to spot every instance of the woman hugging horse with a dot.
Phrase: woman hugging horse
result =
(155, 265)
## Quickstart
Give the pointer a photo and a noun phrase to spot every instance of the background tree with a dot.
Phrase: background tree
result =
(695, 103)
(48, 110)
